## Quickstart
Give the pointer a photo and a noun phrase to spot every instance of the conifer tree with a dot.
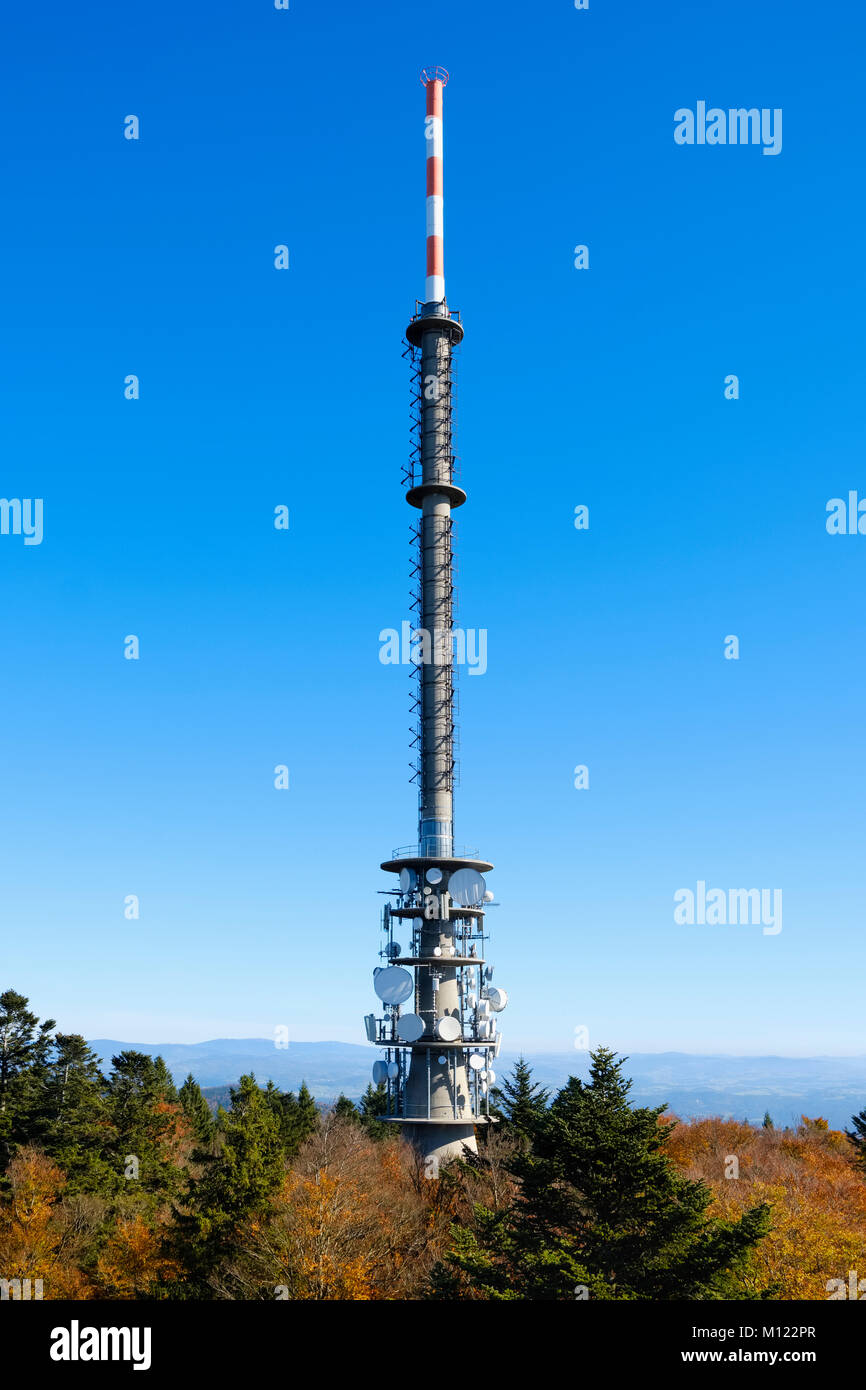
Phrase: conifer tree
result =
(857, 1135)
(196, 1110)
(297, 1116)
(143, 1122)
(284, 1107)
(308, 1113)
(374, 1102)
(521, 1102)
(74, 1124)
(767, 1122)
(601, 1208)
(235, 1185)
(347, 1109)
(24, 1050)
(164, 1082)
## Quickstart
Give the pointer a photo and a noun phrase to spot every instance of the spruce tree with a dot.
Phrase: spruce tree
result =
(143, 1123)
(196, 1110)
(297, 1116)
(236, 1184)
(857, 1135)
(374, 1102)
(521, 1102)
(308, 1113)
(74, 1122)
(25, 1045)
(347, 1109)
(767, 1122)
(164, 1082)
(601, 1207)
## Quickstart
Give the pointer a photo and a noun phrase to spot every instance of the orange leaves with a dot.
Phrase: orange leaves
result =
(33, 1233)
(818, 1197)
(346, 1223)
(326, 1218)
(131, 1262)
(27, 1240)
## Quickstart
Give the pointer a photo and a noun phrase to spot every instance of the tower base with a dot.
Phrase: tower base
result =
(439, 1143)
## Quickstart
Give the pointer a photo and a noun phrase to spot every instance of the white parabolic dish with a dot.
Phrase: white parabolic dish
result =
(467, 887)
(410, 1028)
(448, 1028)
(394, 984)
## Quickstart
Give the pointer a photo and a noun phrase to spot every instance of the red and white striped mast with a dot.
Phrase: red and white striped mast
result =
(435, 79)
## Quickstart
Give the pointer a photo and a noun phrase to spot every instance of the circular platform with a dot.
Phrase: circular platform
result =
(415, 496)
(439, 960)
(422, 1120)
(419, 863)
(425, 323)
(467, 1044)
(453, 911)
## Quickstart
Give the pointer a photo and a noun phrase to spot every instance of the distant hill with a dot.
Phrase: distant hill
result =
(739, 1087)
(327, 1067)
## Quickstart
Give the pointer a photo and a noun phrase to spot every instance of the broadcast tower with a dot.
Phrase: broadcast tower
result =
(437, 1064)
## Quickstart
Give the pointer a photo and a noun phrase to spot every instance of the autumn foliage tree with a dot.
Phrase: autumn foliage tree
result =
(133, 1262)
(810, 1181)
(350, 1221)
(36, 1239)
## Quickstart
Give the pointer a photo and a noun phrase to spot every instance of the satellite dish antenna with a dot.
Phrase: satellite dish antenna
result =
(380, 1072)
(407, 880)
(410, 1028)
(467, 887)
(488, 972)
(476, 1060)
(497, 999)
(393, 984)
(448, 1028)
(488, 896)
(434, 875)
(393, 949)
(442, 1061)
(393, 1070)
(437, 950)
(417, 923)
(491, 1077)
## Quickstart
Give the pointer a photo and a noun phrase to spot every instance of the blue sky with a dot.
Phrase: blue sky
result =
(605, 387)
